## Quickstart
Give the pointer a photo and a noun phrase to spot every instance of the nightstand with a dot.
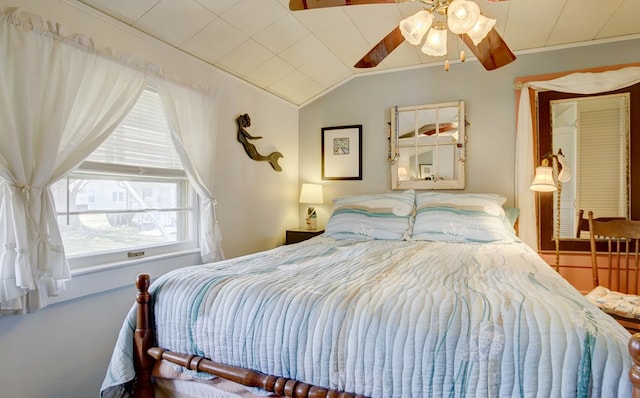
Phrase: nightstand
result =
(296, 235)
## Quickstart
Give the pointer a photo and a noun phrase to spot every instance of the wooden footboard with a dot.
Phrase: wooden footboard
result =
(634, 372)
(145, 354)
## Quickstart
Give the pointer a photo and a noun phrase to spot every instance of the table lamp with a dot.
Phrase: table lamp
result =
(311, 194)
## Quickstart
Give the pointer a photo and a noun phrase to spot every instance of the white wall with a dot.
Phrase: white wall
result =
(490, 108)
(63, 350)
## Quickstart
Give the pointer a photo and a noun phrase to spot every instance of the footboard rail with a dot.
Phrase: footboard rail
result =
(274, 384)
(145, 355)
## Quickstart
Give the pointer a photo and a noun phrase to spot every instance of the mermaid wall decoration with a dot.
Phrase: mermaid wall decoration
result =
(243, 121)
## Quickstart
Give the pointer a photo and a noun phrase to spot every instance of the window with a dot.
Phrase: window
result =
(131, 196)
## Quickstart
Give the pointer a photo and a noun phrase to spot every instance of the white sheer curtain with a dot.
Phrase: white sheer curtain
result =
(58, 102)
(580, 83)
(192, 117)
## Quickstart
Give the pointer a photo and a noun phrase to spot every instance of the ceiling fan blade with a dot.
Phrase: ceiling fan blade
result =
(430, 129)
(492, 51)
(381, 50)
(296, 5)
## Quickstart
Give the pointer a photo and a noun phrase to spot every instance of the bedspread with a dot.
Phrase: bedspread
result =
(391, 319)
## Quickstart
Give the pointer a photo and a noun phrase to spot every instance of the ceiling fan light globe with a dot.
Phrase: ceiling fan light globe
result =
(414, 27)
(436, 43)
(480, 30)
(565, 174)
(462, 15)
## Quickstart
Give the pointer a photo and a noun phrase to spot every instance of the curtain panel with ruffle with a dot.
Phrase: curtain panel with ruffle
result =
(60, 98)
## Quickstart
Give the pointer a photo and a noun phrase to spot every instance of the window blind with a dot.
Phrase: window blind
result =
(142, 139)
(603, 161)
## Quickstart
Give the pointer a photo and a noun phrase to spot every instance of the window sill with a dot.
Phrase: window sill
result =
(96, 279)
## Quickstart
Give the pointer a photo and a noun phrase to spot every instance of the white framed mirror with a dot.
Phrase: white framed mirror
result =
(427, 146)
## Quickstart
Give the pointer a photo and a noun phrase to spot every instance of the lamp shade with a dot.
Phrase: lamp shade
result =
(414, 27)
(480, 30)
(311, 193)
(565, 174)
(403, 175)
(543, 180)
(462, 15)
(436, 43)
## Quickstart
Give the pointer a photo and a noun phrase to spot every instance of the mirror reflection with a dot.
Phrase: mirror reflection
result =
(427, 146)
(596, 135)
(593, 133)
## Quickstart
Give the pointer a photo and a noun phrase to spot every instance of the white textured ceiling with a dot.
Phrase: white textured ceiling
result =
(301, 55)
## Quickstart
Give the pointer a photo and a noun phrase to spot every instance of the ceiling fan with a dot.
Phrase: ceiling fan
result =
(438, 16)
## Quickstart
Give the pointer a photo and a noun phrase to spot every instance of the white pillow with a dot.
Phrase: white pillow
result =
(457, 217)
(373, 216)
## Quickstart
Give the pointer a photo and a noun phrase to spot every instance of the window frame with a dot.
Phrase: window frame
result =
(96, 170)
(79, 261)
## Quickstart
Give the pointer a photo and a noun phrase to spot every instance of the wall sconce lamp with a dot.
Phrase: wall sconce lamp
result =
(549, 177)
(311, 194)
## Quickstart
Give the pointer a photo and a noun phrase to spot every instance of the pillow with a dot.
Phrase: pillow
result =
(511, 213)
(375, 216)
(455, 217)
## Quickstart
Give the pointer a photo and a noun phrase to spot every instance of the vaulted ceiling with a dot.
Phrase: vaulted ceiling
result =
(300, 55)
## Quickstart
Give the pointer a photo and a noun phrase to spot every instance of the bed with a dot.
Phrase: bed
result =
(404, 295)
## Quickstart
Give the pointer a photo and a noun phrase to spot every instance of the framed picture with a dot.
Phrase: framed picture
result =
(425, 172)
(341, 153)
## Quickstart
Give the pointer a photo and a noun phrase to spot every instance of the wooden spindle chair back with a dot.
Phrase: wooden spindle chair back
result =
(583, 222)
(622, 252)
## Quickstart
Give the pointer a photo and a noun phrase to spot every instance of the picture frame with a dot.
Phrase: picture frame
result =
(342, 152)
(426, 171)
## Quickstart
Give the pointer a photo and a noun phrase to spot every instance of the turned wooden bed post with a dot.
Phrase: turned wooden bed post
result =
(634, 372)
(143, 340)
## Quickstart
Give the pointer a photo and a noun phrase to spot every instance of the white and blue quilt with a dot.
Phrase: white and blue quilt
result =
(390, 319)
